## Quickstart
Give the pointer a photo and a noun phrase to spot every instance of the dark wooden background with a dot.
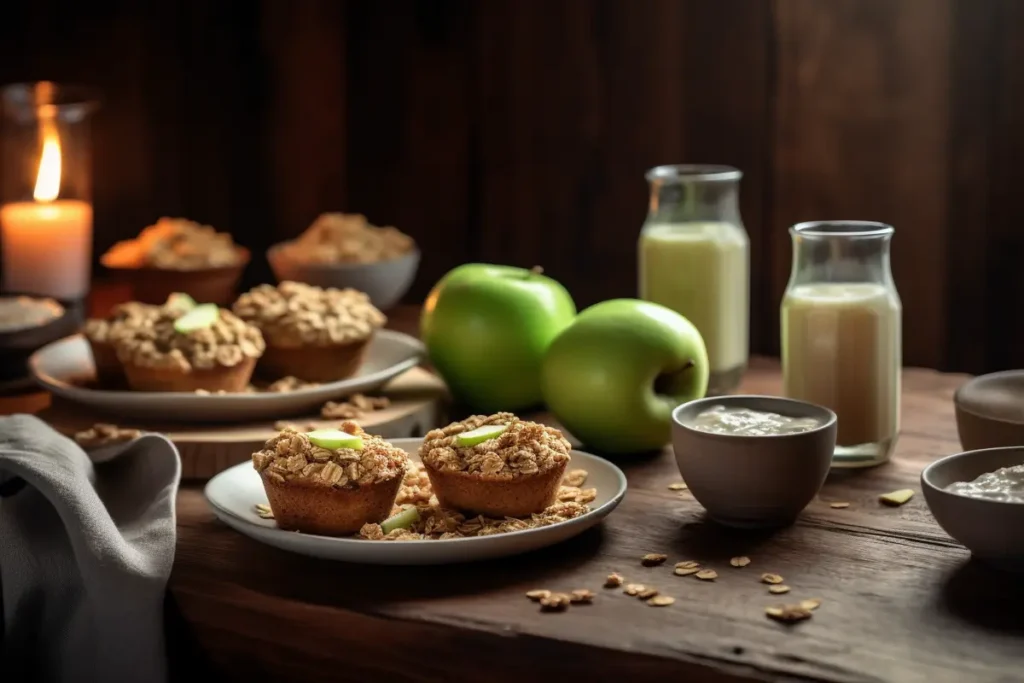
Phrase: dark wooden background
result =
(518, 131)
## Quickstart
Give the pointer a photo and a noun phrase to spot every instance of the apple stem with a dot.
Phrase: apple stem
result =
(537, 270)
(689, 364)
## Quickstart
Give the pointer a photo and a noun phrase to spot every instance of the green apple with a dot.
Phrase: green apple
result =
(180, 301)
(403, 520)
(477, 436)
(333, 439)
(487, 328)
(614, 376)
(198, 318)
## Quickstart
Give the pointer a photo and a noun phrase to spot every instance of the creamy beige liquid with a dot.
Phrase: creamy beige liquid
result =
(701, 271)
(841, 348)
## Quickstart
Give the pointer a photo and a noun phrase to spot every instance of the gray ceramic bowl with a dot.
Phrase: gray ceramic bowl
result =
(754, 481)
(992, 530)
(385, 282)
(990, 411)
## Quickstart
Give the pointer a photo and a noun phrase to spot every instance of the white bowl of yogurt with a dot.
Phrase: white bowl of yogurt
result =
(977, 497)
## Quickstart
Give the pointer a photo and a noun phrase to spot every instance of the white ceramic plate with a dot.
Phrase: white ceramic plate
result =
(58, 365)
(235, 492)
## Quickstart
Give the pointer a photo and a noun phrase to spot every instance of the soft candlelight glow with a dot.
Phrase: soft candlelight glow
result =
(47, 244)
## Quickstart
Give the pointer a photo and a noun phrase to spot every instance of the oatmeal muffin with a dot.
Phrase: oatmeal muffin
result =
(512, 469)
(314, 334)
(333, 492)
(347, 238)
(102, 333)
(217, 357)
(175, 244)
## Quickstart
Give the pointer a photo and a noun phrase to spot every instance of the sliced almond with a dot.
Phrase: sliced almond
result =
(771, 578)
(707, 575)
(653, 559)
(661, 601)
(741, 561)
(896, 498)
(839, 505)
(538, 595)
(778, 589)
(686, 571)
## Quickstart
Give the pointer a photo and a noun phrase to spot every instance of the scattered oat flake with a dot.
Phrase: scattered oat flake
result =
(264, 511)
(771, 578)
(648, 593)
(678, 486)
(556, 602)
(653, 559)
(787, 613)
(839, 505)
(896, 498)
(687, 564)
(810, 604)
(575, 478)
(707, 575)
(686, 571)
(634, 588)
(581, 596)
(778, 589)
(661, 601)
(538, 595)
(741, 561)
(614, 580)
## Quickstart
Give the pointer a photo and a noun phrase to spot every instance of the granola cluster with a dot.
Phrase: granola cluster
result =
(102, 434)
(123, 320)
(294, 314)
(175, 244)
(437, 523)
(290, 455)
(524, 448)
(355, 407)
(347, 238)
(226, 343)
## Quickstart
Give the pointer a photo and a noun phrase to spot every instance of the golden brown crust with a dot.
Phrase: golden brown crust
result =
(347, 238)
(314, 363)
(512, 497)
(234, 379)
(294, 315)
(304, 505)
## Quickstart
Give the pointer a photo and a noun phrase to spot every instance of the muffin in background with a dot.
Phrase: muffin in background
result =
(312, 333)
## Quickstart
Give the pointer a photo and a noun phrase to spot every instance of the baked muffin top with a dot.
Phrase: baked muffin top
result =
(155, 343)
(294, 314)
(347, 238)
(123, 319)
(522, 449)
(291, 456)
(175, 244)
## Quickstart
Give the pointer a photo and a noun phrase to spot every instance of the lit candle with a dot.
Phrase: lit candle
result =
(47, 243)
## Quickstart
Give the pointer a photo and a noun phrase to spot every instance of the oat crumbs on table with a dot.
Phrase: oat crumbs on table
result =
(653, 559)
(614, 580)
(741, 561)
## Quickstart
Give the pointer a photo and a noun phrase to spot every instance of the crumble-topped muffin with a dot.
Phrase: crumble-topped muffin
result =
(175, 244)
(221, 356)
(315, 334)
(330, 491)
(347, 238)
(103, 333)
(513, 474)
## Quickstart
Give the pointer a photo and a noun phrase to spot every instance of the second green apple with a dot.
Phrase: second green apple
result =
(614, 376)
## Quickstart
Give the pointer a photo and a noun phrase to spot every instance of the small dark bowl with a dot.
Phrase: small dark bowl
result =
(992, 530)
(18, 342)
(990, 411)
(754, 481)
(206, 285)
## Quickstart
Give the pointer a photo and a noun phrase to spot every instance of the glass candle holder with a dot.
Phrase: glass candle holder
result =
(46, 189)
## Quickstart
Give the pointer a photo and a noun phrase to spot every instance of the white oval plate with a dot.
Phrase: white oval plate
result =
(234, 493)
(58, 365)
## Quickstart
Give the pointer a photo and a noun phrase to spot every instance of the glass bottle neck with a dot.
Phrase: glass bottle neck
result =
(841, 257)
(680, 194)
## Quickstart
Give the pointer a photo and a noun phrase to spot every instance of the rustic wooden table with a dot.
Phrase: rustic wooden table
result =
(900, 600)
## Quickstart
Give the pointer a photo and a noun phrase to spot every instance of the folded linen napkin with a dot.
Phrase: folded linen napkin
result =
(86, 546)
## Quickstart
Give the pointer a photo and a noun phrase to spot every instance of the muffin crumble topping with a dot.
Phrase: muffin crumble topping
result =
(123, 320)
(175, 244)
(294, 314)
(291, 456)
(347, 238)
(524, 448)
(227, 342)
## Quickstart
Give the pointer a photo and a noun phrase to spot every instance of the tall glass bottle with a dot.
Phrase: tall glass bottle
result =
(842, 334)
(694, 257)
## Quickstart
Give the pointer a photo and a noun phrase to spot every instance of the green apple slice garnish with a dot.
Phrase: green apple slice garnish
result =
(333, 439)
(180, 301)
(479, 435)
(198, 318)
(403, 520)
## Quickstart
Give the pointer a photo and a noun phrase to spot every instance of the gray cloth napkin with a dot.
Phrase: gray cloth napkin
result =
(86, 546)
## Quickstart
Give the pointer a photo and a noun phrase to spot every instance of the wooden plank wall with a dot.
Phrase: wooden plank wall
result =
(518, 131)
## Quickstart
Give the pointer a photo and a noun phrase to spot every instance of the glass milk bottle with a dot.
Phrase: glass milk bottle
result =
(694, 258)
(842, 334)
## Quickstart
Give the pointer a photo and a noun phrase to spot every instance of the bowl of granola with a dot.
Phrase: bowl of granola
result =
(179, 255)
(345, 251)
(313, 333)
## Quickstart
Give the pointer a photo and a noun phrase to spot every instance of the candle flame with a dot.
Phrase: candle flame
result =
(48, 178)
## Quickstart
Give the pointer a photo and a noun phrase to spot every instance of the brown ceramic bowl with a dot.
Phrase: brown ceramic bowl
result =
(205, 285)
(992, 530)
(990, 411)
(754, 481)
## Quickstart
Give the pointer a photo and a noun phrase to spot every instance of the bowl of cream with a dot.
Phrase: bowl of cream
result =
(977, 497)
